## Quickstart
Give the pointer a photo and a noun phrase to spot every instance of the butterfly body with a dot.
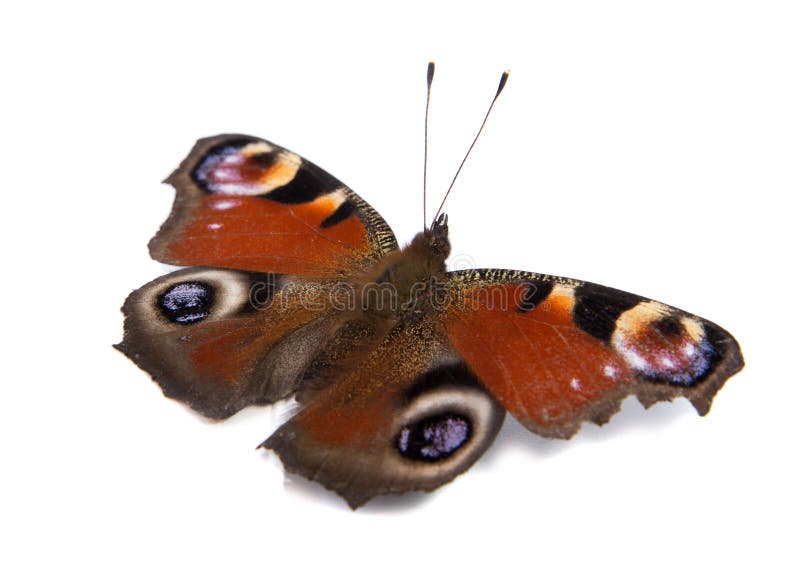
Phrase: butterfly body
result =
(403, 371)
(405, 280)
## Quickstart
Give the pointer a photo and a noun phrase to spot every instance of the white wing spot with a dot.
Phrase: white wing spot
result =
(575, 384)
(225, 204)
(214, 226)
(635, 360)
(610, 371)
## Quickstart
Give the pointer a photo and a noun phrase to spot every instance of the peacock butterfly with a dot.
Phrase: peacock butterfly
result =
(403, 371)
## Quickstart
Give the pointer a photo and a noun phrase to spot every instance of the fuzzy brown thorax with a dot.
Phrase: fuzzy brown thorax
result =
(406, 280)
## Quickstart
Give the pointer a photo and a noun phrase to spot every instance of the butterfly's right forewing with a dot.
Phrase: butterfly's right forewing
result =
(556, 351)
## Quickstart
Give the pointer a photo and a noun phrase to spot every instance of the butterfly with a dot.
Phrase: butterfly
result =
(402, 371)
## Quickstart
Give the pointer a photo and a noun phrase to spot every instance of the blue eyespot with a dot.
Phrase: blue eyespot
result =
(187, 302)
(434, 438)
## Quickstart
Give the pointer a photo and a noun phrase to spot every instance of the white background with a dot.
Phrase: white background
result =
(649, 146)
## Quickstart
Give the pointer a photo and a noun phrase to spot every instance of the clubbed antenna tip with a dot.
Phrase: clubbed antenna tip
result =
(431, 69)
(503, 80)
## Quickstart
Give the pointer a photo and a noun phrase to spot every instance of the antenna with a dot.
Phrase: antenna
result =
(503, 80)
(431, 69)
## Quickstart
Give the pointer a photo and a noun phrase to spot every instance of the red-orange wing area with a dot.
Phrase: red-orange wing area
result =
(539, 365)
(245, 232)
(343, 437)
(245, 203)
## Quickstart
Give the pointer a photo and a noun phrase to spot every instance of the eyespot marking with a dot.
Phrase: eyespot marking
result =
(186, 302)
(434, 438)
(243, 167)
(663, 346)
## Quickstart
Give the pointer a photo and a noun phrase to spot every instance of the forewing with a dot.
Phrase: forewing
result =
(245, 203)
(556, 352)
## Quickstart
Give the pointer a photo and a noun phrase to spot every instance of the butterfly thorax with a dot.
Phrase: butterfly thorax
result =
(408, 280)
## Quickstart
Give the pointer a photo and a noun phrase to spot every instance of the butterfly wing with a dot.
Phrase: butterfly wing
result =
(408, 416)
(245, 203)
(556, 352)
(219, 340)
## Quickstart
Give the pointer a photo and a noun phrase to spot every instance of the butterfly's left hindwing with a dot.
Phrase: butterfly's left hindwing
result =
(556, 352)
(220, 340)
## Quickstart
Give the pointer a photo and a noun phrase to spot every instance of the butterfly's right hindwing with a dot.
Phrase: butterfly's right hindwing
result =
(406, 415)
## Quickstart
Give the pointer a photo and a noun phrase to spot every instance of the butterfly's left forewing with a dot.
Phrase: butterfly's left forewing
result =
(556, 352)
(246, 203)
